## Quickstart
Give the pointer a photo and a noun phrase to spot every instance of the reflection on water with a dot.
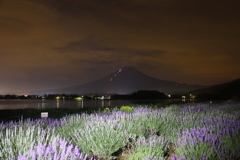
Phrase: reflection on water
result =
(57, 103)
(43, 103)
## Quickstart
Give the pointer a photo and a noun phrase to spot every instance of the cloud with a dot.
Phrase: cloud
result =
(83, 45)
(89, 45)
(147, 53)
(15, 25)
(93, 61)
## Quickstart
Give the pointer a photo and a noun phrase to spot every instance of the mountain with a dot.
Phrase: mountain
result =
(224, 91)
(125, 81)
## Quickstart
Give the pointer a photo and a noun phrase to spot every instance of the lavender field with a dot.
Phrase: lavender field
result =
(177, 132)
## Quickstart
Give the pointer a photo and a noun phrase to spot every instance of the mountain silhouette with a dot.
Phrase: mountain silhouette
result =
(125, 81)
(223, 91)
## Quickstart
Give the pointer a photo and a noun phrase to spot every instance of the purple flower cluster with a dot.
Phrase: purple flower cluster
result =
(49, 122)
(211, 138)
(142, 110)
(152, 148)
(222, 127)
(56, 150)
(196, 140)
(152, 141)
(9, 123)
(192, 109)
(204, 157)
(195, 136)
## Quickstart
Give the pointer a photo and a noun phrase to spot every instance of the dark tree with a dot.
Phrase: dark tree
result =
(146, 94)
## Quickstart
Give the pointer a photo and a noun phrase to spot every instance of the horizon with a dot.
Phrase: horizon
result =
(119, 70)
(49, 44)
(114, 73)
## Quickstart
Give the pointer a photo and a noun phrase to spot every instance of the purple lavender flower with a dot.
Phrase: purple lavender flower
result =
(192, 109)
(56, 150)
(22, 158)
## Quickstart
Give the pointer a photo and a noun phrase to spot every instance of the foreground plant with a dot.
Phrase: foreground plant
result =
(126, 109)
(56, 150)
(153, 148)
(102, 136)
(17, 140)
(219, 139)
(198, 131)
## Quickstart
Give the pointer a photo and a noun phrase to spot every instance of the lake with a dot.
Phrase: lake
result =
(45, 103)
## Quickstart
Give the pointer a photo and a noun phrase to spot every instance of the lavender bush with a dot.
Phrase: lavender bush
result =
(152, 148)
(214, 138)
(197, 131)
(17, 140)
(73, 122)
(56, 150)
(102, 135)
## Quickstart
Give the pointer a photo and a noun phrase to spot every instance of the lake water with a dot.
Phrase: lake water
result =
(43, 103)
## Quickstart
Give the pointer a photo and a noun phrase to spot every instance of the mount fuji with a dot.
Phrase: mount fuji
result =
(125, 81)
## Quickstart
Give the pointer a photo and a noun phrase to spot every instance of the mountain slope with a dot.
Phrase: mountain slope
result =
(124, 81)
(226, 90)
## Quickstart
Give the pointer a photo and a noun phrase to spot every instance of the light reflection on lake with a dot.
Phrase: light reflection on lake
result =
(43, 103)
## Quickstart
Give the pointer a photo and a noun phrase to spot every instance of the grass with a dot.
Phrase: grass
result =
(184, 131)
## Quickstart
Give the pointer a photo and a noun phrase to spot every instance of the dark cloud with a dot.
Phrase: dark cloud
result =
(148, 53)
(14, 26)
(88, 46)
(83, 45)
(92, 61)
(91, 45)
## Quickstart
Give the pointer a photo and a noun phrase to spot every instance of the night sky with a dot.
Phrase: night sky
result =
(48, 44)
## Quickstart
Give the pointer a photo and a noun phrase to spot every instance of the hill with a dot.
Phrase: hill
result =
(125, 81)
(222, 91)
